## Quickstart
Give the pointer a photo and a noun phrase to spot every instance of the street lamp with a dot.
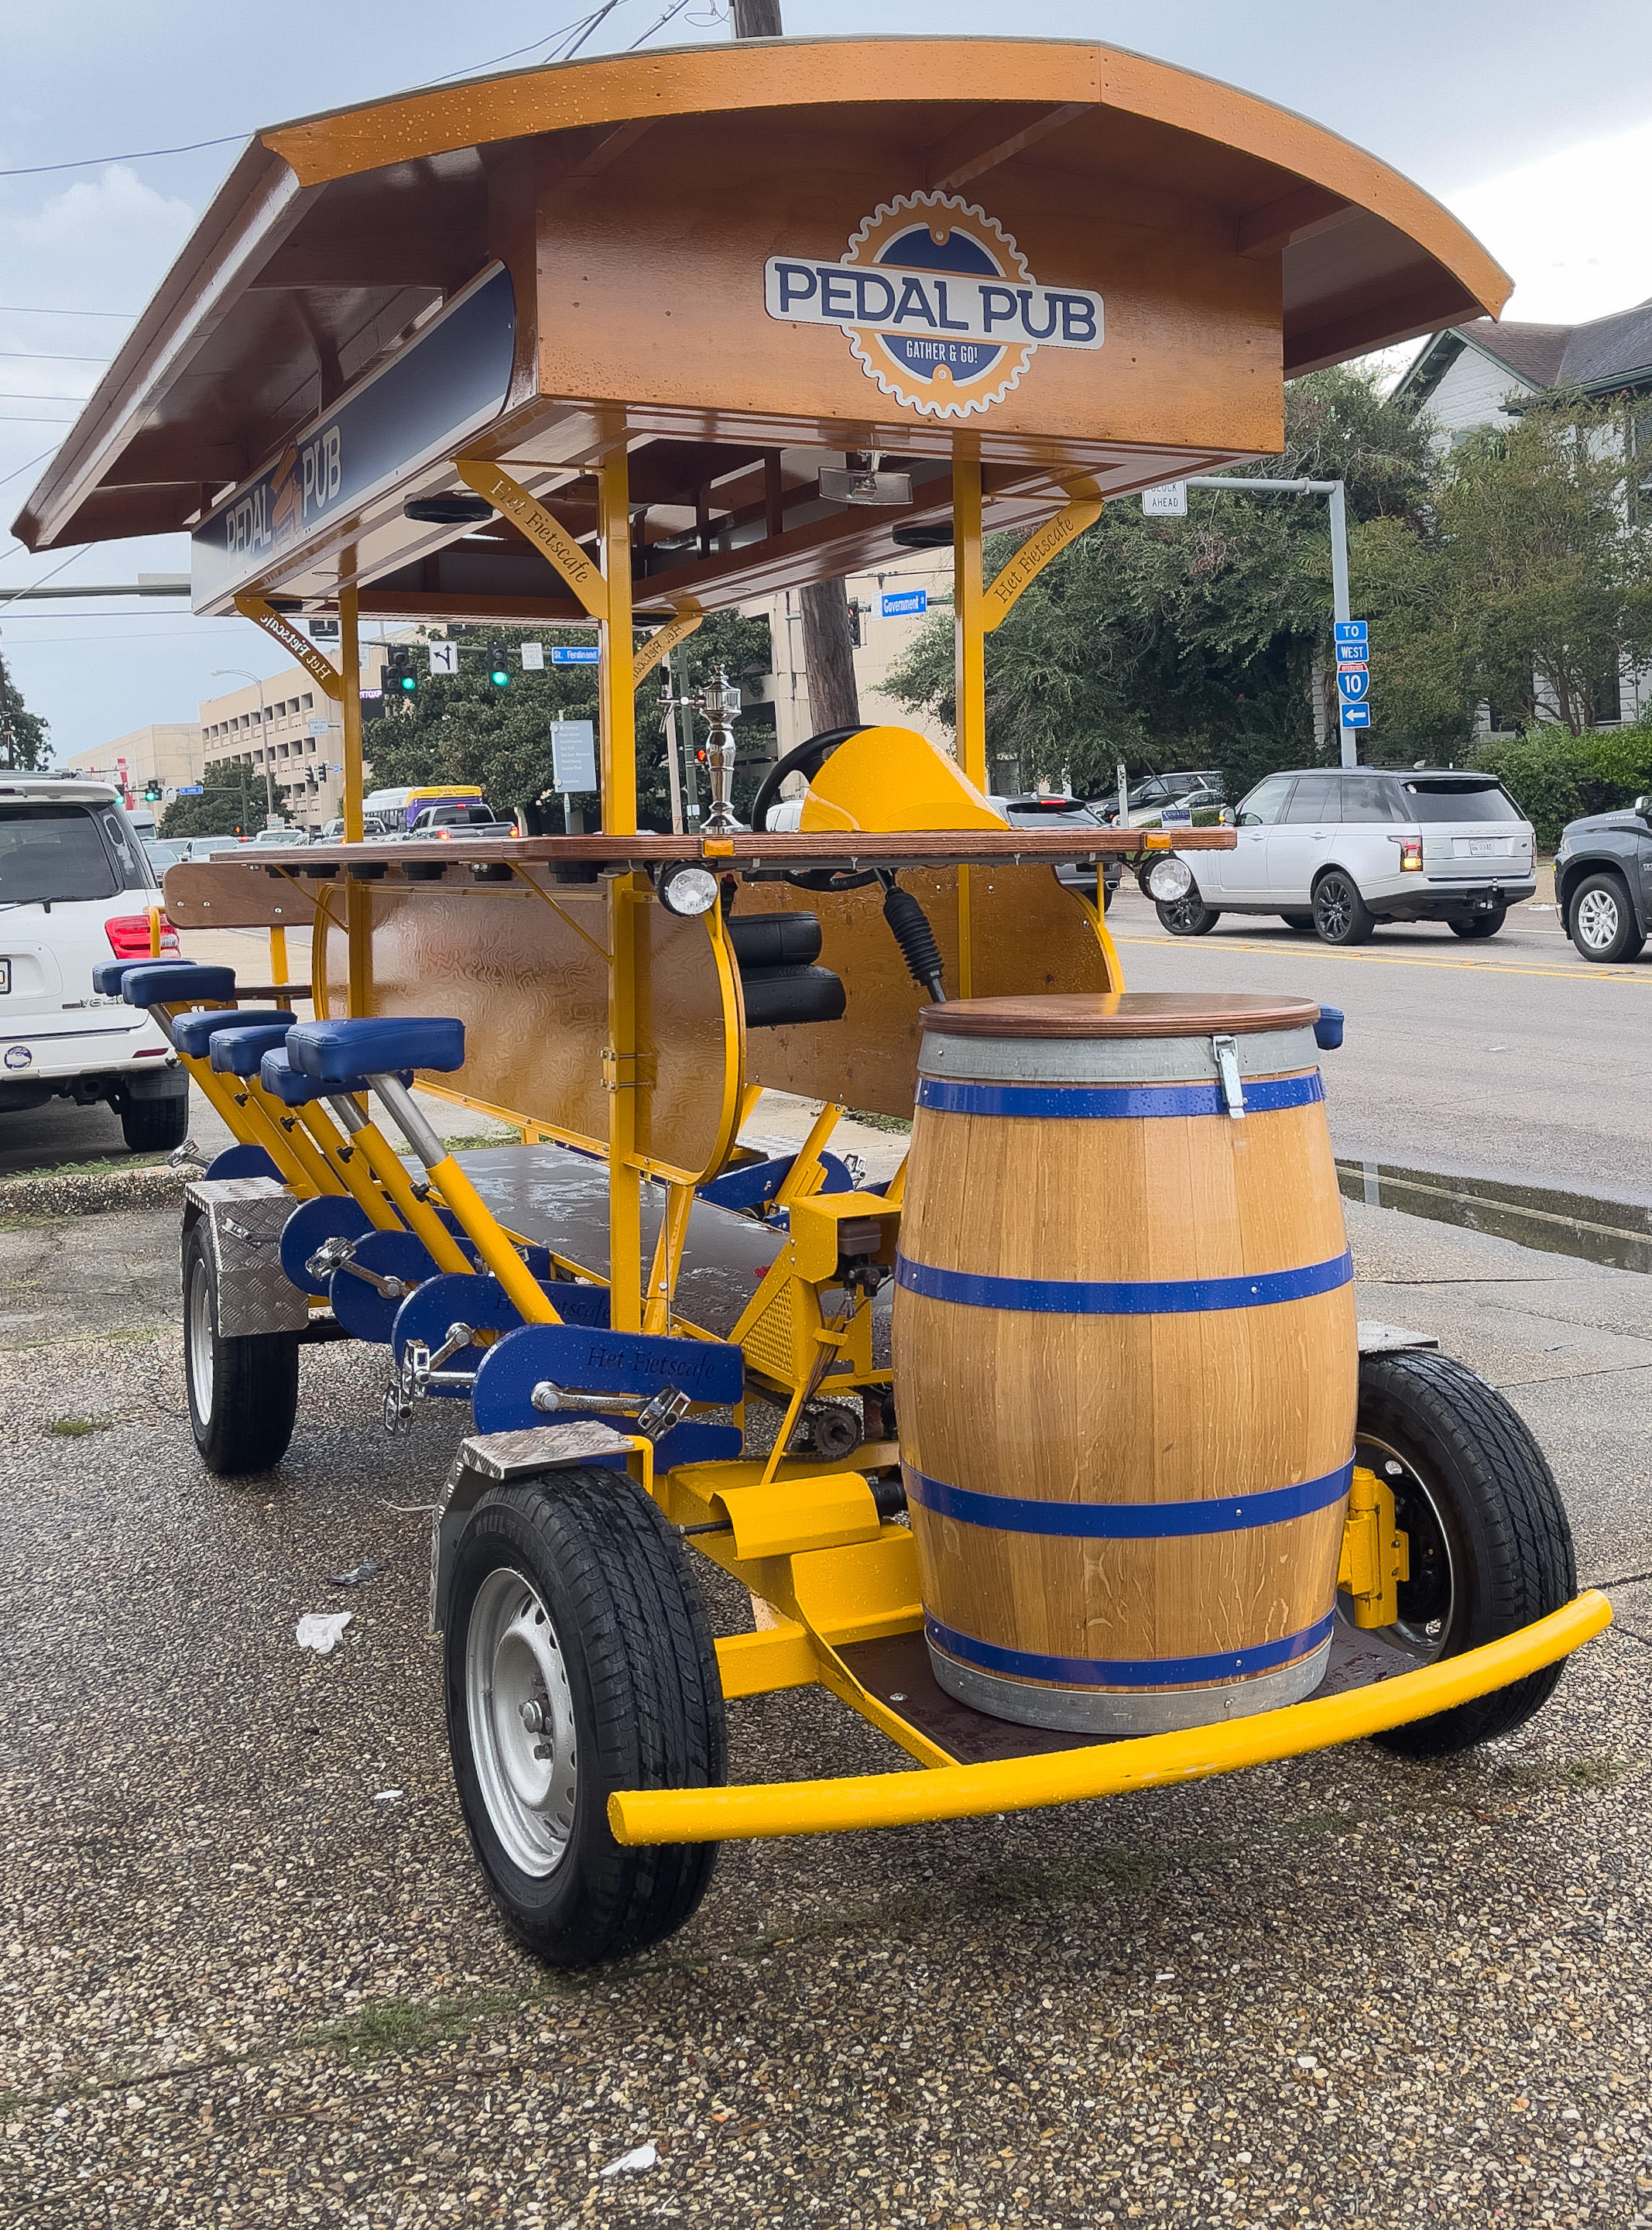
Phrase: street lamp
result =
(272, 818)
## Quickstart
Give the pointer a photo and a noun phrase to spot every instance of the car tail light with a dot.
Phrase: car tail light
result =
(1410, 856)
(128, 935)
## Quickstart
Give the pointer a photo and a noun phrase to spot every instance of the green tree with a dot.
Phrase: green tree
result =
(465, 729)
(1551, 578)
(1184, 642)
(235, 804)
(23, 747)
(1525, 580)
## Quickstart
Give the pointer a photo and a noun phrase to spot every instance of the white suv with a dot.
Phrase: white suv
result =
(76, 888)
(1338, 851)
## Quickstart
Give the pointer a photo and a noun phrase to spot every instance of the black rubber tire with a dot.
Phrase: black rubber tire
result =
(1303, 923)
(1340, 915)
(1505, 1526)
(153, 1126)
(1628, 941)
(244, 1423)
(1478, 925)
(646, 1698)
(1187, 916)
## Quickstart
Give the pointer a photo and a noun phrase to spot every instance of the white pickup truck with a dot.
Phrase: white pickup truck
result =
(76, 888)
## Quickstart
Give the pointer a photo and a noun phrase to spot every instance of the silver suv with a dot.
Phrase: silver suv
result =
(1337, 852)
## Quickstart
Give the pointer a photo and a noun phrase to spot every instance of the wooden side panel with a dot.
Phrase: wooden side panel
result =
(239, 897)
(532, 992)
(1168, 1408)
(1029, 935)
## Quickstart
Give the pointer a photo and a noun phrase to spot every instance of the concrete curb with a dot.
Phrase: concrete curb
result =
(90, 1192)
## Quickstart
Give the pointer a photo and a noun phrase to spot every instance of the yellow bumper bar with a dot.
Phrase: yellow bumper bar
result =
(963, 1792)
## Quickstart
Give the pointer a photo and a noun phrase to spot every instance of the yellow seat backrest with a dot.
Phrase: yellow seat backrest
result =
(888, 779)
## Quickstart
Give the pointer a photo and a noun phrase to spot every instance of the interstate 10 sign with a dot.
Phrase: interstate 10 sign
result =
(936, 302)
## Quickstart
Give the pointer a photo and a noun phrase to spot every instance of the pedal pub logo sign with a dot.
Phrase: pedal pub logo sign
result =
(937, 303)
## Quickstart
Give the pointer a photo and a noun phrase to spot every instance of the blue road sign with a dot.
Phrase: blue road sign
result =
(1356, 716)
(1353, 682)
(908, 604)
(575, 653)
(191, 789)
(1352, 631)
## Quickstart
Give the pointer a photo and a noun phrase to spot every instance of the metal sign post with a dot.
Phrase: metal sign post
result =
(1338, 508)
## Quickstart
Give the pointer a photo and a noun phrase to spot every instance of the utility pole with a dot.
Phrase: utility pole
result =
(828, 640)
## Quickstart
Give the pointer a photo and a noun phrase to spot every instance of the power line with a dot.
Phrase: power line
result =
(24, 395)
(57, 356)
(236, 138)
(18, 470)
(140, 155)
(30, 418)
(41, 310)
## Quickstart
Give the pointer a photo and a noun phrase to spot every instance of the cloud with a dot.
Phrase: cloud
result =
(1570, 229)
(100, 243)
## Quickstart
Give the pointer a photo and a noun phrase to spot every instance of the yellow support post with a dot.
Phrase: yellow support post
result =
(618, 773)
(969, 667)
(668, 1256)
(358, 929)
(617, 683)
(278, 955)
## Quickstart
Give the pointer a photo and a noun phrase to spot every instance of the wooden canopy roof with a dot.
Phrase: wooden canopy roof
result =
(1269, 246)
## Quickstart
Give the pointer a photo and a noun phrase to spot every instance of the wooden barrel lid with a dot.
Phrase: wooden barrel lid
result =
(1120, 1014)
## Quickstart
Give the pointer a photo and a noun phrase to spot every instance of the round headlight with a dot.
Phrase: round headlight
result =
(688, 889)
(1169, 879)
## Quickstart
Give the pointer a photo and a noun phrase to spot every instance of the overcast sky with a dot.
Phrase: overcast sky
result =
(1533, 122)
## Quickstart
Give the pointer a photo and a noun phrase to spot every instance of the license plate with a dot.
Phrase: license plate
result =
(1482, 847)
(5, 975)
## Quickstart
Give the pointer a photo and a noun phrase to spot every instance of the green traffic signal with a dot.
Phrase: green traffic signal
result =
(498, 663)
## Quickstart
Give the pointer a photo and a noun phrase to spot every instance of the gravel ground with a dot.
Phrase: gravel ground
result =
(249, 1973)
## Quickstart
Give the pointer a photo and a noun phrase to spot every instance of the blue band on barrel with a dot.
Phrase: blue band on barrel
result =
(1126, 1521)
(1072, 1297)
(1117, 1102)
(1127, 1672)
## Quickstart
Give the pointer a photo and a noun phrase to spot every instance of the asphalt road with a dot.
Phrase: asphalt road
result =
(1512, 1059)
(249, 1972)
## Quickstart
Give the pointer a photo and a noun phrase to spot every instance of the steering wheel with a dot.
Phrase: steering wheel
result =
(808, 760)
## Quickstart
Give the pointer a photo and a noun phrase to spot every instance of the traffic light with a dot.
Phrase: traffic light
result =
(398, 674)
(498, 661)
(151, 793)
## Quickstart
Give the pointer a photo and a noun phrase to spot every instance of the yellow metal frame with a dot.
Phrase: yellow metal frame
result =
(966, 1792)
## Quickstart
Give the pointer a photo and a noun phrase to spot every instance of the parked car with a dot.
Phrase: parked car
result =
(1036, 812)
(1603, 882)
(1336, 853)
(1148, 798)
(197, 848)
(76, 888)
(163, 853)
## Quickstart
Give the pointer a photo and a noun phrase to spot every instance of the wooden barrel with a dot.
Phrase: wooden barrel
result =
(1125, 1357)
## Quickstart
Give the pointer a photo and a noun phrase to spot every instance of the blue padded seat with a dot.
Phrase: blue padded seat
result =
(168, 983)
(238, 1052)
(336, 1053)
(109, 975)
(193, 1034)
(283, 1082)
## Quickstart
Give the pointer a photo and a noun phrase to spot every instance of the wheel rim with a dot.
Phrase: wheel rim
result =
(1597, 919)
(520, 1711)
(1331, 909)
(199, 1340)
(1187, 910)
(1427, 1601)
